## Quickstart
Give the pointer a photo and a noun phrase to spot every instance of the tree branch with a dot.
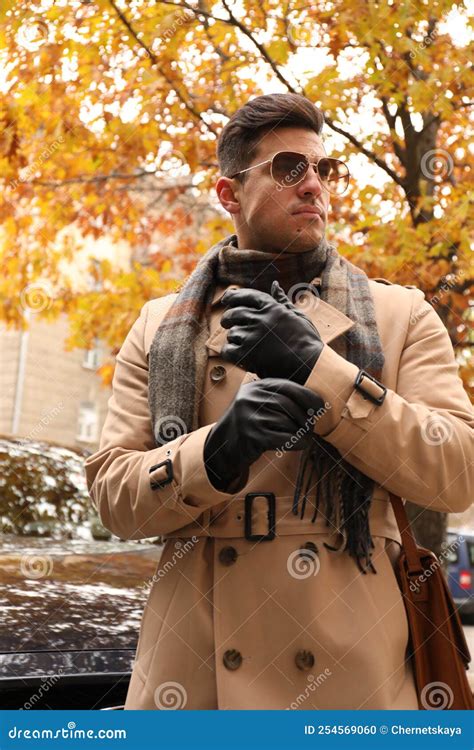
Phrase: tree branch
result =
(194, 112)
(367, 152)
(391, 121)
(95, 178)
(238, 24)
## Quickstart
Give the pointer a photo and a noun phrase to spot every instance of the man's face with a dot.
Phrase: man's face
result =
(270, 218)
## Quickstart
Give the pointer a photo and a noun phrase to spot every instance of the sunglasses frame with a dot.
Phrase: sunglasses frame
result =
(310, 164)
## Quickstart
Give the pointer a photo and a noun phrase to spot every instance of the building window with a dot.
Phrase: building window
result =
(87, 422)
(91, 358)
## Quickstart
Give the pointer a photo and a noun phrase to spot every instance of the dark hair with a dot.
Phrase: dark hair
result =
(239, 140)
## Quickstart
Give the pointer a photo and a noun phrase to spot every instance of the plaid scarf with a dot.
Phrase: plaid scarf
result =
(178, 359)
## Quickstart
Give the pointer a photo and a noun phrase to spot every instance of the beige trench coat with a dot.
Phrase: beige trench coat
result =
(233, 623)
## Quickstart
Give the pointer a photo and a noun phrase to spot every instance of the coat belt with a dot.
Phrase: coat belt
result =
(256, 514)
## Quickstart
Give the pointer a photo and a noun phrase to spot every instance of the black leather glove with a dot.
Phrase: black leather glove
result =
(264, 415)
(268, 335)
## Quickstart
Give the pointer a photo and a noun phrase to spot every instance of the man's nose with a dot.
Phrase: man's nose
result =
(311, 184)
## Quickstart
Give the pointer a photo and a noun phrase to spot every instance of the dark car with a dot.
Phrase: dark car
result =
(460, 559)
(71, 593)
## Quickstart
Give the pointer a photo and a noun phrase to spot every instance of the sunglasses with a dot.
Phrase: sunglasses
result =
(288, 168)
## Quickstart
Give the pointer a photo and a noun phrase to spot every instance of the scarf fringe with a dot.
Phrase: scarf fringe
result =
(346, 494)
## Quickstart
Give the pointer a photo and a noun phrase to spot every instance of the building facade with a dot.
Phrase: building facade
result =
(48, 393)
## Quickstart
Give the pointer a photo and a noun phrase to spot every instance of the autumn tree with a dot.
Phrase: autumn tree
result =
(110, 109)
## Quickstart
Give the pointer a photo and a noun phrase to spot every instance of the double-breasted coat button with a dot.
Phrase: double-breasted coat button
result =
(309, 550)
(232, 659)
(304, 660)
(228, 555)
(218, 373)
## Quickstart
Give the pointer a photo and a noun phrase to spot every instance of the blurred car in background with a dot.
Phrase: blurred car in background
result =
(43, 492)
(460, 570)
(71, 593)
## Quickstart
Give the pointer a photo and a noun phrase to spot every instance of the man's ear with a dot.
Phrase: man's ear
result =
(228, 194)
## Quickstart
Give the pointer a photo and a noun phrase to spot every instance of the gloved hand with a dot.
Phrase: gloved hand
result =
(268, 334)
(264, 415)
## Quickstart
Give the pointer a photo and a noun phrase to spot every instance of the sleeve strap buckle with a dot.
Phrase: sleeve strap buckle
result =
(370, 388)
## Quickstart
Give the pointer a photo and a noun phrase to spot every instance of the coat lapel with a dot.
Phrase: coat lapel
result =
(329, 321)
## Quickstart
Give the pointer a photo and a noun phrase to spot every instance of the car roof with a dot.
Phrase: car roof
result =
(464, 532)
(25, 442)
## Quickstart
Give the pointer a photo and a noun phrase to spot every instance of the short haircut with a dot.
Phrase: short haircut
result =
(239, 140)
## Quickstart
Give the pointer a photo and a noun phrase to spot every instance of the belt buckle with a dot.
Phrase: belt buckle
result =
(249, 498)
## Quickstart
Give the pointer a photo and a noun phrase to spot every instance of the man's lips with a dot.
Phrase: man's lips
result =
(309, 211)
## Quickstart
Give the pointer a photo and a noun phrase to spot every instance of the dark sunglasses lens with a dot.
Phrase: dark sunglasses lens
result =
(289, 168)
(334, 174)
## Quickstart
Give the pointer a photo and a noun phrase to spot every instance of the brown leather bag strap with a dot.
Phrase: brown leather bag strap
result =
(408, 541)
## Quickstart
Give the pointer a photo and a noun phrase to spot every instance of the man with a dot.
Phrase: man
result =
(258, 420)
